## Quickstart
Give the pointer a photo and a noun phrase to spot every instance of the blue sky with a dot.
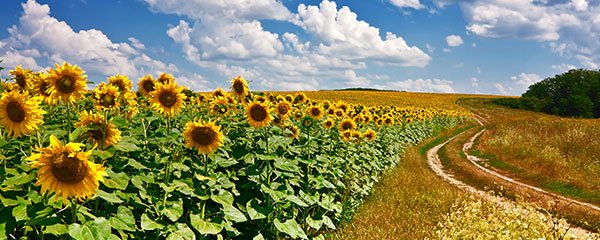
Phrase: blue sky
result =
(470, 46)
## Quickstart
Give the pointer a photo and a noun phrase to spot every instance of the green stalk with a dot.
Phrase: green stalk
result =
(68, 120)
(73, 211)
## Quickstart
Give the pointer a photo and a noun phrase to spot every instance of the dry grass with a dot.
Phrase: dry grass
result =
(558, 154)
(408, 203)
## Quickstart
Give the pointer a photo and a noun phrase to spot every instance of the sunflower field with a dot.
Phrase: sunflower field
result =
(164, 162)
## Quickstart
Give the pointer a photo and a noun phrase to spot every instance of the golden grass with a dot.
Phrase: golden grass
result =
(409, 201)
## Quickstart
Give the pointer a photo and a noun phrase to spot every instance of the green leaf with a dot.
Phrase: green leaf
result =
(20, 212)
(173, 210)
(103, 155)
(3, 234)
(126, 146)
(183, 232)
(148, 224)
(204, 227)
(124, 219)
(290, 227)
(313, 223)
(255, 211)
(56, 229)
(224, 198)
(296, 200)
(327, 221)
(117, 180)
(225, 162)
(287, 165)
(109, 197)
(135, 164)
(98, 229)
(18, 179)
(234, 214)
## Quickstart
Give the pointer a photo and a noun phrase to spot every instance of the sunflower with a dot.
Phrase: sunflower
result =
(201, 99)
(388, 120)
(131, 104)
(106, 97)
(167, 98)
(260, 99)
(67, 83)
(100, 131)
(297, 114)
(347, 124)
(10, 86)
(289, 98)
(278, 121)
(339, 113)
(308, 122)
(315, 112)
(219, 106)
(206, 137)
(258, 114)
(328, 124)
(346, 135)
(292, 131)
(343, 106)
(219, 92)
(356, 136)
(146, 85)
(22, 77)
(40, 87)
(379, 122)
(66, 170)
(121, 81)
(370, 135)
(239, 87)
(283, 109)
(300, 98)
(165, 78)
(19, 114)
(326, 104)
(331, 111)
(408, 120)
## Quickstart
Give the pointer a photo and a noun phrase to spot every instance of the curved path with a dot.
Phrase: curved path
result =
(435, 164)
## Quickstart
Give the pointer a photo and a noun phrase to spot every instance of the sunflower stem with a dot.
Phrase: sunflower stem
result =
(68, 120)
(73, 211)
(267, 153)
(205, 164)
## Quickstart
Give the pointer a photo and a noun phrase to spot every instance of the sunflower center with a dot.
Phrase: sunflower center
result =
(167, 99)
(66, 85)
(328, 124)
(258, 113)
(315, 111)
(108, 100)
(21, 81)
(346, 125)
(283, 110)
(238, 87)
(148, 86)
(69, 169)
(15, 111)
(203, 136)
(44, 88)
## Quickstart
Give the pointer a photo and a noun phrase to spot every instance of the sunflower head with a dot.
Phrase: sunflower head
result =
(146, 85)
(300, 98)
(66, 170)
(278, 121)
(346, 135)
(20, 114)
(258, 114)
(339, 113)
(379, 122)
(22, 77)
(369, 135)
(326, 104)
(67, 83)
(331, 111)
(315, 112)
(283, 109)
(167, 99)
(292, 131)
(343, 106)
(388, 120)
(408, 120)
(204, 136)
(40, 87)
(346, 125)
(289, 98)
(101, 132)
(219, 106)
(106, 97)
(165, 78)
(219, 92)
(260, 99)
(239, 87)
(356, 136)
(328, 124)
(121, 81)
(10, 87)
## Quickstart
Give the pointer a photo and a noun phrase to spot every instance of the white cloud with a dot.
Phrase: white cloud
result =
(563, 67)
(354, 80)
(500, 89)
(526, 79)
(446, 50)
(211, 10)
(136, 43)
(474, 82)
(571, 27)
(454, 40)
(342, 35)
(420, 85)
(407, 4)
(39, 37)
(429, 48)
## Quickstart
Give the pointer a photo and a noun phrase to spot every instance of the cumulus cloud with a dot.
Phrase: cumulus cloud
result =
(343, 35)
(474, 82)
(454, 40)
(563, 67)
(40, 38)
(355, 80)
(571, 27)
(407, 4)
(526, 79)
(420, 85)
